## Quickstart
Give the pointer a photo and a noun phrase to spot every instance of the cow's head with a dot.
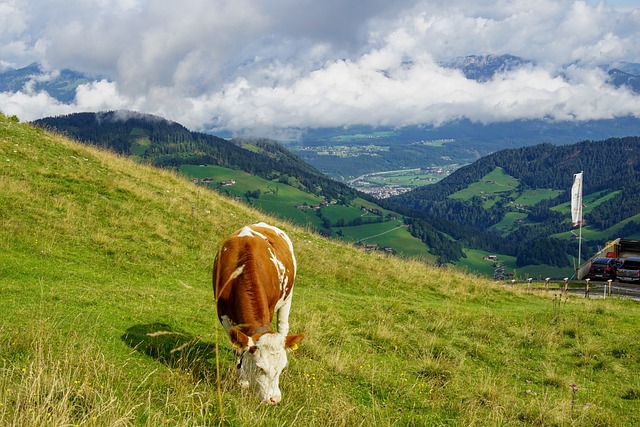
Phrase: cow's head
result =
(262, 361)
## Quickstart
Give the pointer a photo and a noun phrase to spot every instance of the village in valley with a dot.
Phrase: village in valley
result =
(382, 185)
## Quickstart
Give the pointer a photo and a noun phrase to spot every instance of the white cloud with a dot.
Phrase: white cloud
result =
(249, 65)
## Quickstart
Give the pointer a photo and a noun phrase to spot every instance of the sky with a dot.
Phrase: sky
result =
(266, 67)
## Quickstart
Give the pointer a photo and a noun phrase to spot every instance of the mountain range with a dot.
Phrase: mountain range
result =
(483, 68)
(62, 84)
(513, 202)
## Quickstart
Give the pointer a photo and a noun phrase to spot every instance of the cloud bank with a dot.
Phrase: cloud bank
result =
(248, 66)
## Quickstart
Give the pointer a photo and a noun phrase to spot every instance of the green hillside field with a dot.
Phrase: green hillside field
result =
(107, 317)
(495, 184)
(282, 200)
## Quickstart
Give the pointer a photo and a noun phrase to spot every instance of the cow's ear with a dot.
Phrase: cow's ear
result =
(238, 339)
(292, 341)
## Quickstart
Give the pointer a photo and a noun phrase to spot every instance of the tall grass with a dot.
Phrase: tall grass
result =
(107, 318)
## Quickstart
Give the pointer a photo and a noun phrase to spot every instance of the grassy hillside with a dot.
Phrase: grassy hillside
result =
(107, 317)
(283, 201)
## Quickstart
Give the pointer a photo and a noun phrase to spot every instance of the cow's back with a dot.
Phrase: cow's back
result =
(253, 271)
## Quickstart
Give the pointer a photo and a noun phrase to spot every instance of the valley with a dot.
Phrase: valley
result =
(512, 204)
(392, 183)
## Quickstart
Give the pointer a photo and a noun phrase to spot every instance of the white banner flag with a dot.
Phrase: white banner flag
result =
(576, 200)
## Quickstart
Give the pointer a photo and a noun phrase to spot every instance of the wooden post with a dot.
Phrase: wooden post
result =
(586, 289)
(529, 285)
(548, 279)
(609, 281)
(566, 284)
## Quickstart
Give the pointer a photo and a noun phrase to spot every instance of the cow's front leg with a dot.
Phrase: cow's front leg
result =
(283, 314)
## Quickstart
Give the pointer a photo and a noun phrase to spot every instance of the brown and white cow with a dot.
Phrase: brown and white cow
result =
(253, 277)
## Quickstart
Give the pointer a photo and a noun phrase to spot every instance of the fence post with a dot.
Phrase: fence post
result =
(529, 285)
(547, 280)
(586, 289)
(609, 281)
(566, 285)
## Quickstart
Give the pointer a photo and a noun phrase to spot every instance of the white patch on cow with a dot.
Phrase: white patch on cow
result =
(259, 234)
(262, 367)
(284, 237)
(246, 232)
(280, 268)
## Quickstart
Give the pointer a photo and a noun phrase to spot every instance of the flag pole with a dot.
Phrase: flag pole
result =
(581, 221)
(580, 244)
(576, 211)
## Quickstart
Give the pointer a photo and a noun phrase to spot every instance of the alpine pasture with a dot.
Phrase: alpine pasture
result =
(107, 317)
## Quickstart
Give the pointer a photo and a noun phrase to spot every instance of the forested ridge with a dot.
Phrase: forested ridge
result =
(168, 144)
(610, 166)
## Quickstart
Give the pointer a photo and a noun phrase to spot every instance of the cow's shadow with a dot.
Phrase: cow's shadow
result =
(174, 348)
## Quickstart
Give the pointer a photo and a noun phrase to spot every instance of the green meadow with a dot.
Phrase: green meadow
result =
(532, 197)
(107, 317)
(388, 234)
(498, 184)
(493, 184)
(284, 201)
(274, 197)
(509, 222)
(589, 202)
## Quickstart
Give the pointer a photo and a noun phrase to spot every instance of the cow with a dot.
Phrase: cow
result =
(253, 276)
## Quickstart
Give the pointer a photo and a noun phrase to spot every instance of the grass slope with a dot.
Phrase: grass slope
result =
(107, 317)
(281, 200)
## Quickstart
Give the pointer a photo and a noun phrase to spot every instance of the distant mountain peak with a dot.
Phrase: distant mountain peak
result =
(59, 84)
(619, 78)
(483, 68)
